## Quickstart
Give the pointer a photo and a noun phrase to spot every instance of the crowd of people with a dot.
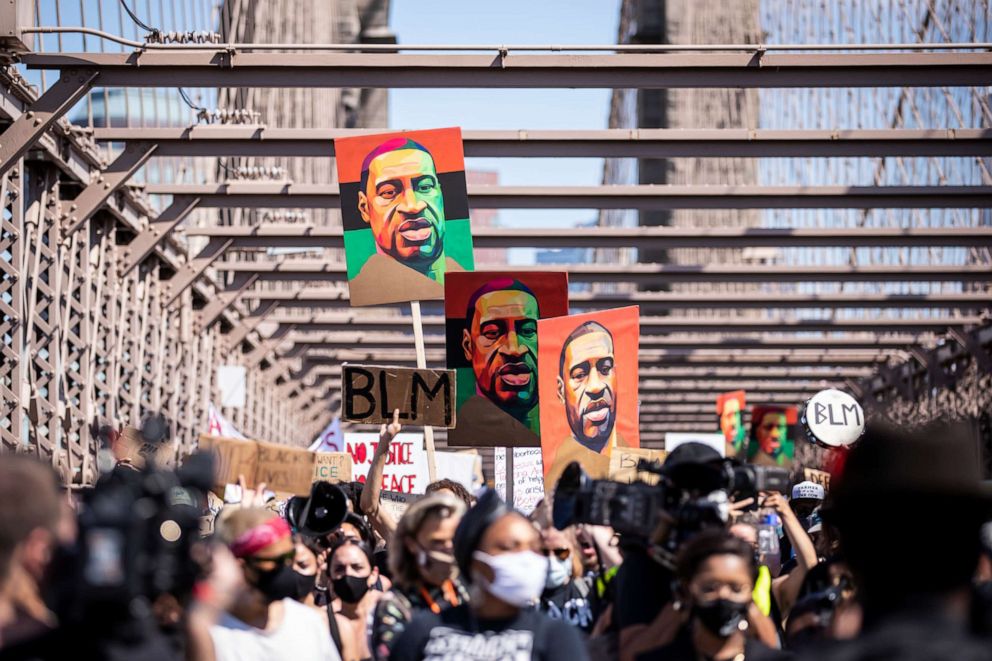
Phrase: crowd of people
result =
(894, 561)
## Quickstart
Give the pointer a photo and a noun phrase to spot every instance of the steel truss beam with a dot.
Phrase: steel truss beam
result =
(26, 129)
(263, 237)
(657, 274)
(765, 342)
(259, 141)
(332, 299)
(325, 196)
(107, 182)
(229, 68)
(653, 325)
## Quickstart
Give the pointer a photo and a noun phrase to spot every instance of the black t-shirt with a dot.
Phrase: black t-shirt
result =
(644, 587)
(681, 649)
(570, 603)
(458, 635)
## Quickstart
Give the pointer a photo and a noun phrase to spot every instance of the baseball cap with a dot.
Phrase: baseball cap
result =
(808, 491)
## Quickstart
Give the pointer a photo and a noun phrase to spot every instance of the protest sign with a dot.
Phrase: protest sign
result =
(730, 413)
(396, 502)
(491, 330)
(832, 418)
(404, 209)
(817, 476)
(773, 435)
(332, 467)
(406, 463)
(623, 464)
(370, 394)
(587, 377)
(457, 467)
(715, 441)
(528, 477)
(282, 468)
(234, 457)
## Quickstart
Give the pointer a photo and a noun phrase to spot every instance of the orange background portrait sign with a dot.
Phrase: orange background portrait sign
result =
(589, 383)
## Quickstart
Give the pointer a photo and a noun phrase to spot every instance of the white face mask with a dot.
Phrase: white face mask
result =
(559, 572)
(518, 578)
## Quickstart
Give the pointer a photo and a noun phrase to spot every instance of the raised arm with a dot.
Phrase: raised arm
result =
(786, 588)
(380, 517)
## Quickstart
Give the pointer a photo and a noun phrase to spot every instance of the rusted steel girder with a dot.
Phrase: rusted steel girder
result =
(230, 68)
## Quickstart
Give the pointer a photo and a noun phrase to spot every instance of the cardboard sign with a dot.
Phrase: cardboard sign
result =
(396, 502)
(282, 468)
(332, 467)
(491, 331)
(587, 377)
(424, 397)
(817, 476)
(457, 467)
(404, 209)
(406, 463)
(234, 457)
(623, 464)
(715, 441)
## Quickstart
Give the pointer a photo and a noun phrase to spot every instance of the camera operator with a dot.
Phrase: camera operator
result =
(716, 574)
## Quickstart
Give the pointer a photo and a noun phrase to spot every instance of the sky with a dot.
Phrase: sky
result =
(510, 22)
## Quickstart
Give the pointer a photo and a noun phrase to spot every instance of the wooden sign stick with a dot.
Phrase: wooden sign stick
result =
(418, 340)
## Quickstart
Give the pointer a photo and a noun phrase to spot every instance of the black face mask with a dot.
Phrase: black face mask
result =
(721, 617)
(278, 583)
(350, 589)
(304, 584)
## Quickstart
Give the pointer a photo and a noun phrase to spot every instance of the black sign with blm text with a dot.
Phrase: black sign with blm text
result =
(370, 394)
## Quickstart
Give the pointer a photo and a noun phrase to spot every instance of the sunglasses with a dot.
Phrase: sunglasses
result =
(561, 554)
(286, 558)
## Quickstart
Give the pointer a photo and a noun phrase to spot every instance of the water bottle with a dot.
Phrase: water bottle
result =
(768, 535)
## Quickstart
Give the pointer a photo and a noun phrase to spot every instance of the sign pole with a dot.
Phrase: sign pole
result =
(418, 340)
(509, 477)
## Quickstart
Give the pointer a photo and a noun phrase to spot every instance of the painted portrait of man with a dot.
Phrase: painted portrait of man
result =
(730, 407)
(399, 238)
(491, 321)
(594, 391)
(771, 442)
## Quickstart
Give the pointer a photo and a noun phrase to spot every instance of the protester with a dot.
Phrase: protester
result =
(496, 549)
(27, 542)
(567, 594)
(452, 487)
(305, 570)
(263, 621)
(423, 564)
(354, 579)
(716, 574)
(909, 506)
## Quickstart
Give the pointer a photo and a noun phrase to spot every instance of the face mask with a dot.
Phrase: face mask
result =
(279, 583)
(304, 584)
(721, 617)
(559, 572)
(351, 589)
(438, 566)
(518, 578)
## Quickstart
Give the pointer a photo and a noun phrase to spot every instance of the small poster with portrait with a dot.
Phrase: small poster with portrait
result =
(587, 378)
(773, 436)
(730, 413)
(491, 326)
(404, 208)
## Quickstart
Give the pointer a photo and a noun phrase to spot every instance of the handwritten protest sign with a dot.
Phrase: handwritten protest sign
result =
(283, 468)
(623, 464)
(396, 502)
(528, 477)
(819, 477)
(332, 467)
(832, 418)
(370, 394)
(406, 464)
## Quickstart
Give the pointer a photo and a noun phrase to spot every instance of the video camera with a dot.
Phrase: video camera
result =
(691, 497)
(137, 532)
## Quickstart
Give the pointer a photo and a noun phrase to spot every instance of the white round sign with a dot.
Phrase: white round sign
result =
(833, 418)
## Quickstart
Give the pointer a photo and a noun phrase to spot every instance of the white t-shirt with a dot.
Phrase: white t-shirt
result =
(301, 636)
